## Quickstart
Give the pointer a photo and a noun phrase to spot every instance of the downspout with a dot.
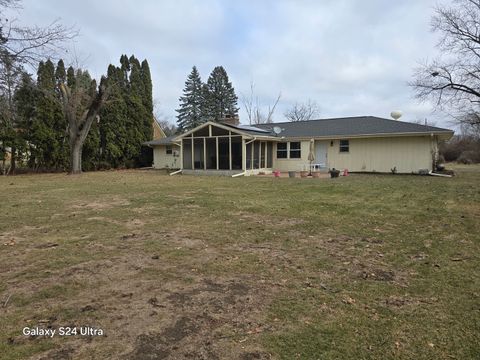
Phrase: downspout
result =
(176, 172)
(244, 172)
(181, 168)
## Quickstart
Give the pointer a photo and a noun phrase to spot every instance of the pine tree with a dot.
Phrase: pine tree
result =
(48, 137)
(113, 131)
(26, 98)
(221, 100)
(191, 112)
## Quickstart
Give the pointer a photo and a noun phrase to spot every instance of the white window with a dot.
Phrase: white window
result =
(295, 150)
(282, 152)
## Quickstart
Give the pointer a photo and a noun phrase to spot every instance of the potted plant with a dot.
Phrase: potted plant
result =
(304, 173)
(316, 174)
(292, 174)
(334, 173)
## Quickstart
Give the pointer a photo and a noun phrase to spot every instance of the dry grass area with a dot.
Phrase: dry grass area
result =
(184, 267)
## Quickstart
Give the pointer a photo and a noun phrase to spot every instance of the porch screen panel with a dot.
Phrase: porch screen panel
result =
(256, 155)
(211, 156)
(187, 153)
(199, 156)
(269, 155)
(236, 152)
(223, 153)
(263, 150)
(249, 156)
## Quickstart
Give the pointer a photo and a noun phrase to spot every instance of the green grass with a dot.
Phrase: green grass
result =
(361, 267)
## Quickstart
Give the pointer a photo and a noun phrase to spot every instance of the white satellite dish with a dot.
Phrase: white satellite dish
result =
(396, 114)
(277, 130)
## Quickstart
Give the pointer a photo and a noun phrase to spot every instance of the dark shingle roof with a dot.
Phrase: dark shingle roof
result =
(350, 126)
(162, 141)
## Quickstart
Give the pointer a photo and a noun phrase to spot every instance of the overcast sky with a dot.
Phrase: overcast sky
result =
(351, 57)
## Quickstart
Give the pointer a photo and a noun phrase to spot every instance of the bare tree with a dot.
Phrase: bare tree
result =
(81, 105)
(453, 81)
(168, 127)
(303, 111)
(254, 113)
(30, 44)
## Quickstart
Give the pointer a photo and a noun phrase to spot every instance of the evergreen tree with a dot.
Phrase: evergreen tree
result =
(25, 99)
(221, 100)
(113, 131)
(48, 136)
(60, 73)
(191, 111)
(126, 119)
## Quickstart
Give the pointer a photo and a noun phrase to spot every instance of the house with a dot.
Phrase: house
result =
(359, 144)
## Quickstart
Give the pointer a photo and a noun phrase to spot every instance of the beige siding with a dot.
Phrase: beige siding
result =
(162, 160)
(407, 154)
(292, 164)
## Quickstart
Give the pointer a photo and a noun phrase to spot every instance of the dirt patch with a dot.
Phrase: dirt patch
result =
(267, 220)
(254, 355)
(377, 275)
(100, 204)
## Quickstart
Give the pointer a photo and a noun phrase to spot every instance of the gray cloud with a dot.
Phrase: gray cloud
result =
(351, 57)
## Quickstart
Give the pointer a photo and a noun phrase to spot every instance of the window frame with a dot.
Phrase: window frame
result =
(169, 150)
(282, 151)
(297, 151)
(344, 148)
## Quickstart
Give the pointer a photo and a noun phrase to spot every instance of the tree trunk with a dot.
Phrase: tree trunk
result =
(76, 157)
(13, 160)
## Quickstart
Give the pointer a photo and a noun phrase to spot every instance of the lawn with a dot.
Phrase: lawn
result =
(360, 267)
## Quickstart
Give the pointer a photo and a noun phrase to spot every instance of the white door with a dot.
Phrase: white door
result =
(321, 153)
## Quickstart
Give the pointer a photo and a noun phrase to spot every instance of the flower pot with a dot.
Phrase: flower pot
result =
(303, 174)
(316, 174)
(292, 174)
(334, 173)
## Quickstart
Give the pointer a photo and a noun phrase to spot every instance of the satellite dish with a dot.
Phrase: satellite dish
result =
(396, 114)
(277, 130)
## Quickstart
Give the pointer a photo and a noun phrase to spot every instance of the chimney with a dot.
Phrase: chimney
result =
(231, 120)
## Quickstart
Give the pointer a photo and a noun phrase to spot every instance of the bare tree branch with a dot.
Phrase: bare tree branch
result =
(453, 80)
(254, 113)
(302, 111)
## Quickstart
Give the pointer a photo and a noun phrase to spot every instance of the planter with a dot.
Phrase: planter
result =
(334, 173)
(316, 174)
(292, 174)
(303, 174)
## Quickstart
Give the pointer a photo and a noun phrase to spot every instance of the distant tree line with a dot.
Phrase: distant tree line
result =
(211, 101)
(38, 132)
(463, 148)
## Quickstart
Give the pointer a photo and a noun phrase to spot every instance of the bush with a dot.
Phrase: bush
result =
(103, 165)
(464, 149)
(469, 157)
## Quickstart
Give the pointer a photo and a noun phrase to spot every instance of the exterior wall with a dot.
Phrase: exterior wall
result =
(162, 160)
(407, 154)
(293, 164)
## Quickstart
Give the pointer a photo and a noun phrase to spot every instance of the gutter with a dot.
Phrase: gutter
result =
(254, 138)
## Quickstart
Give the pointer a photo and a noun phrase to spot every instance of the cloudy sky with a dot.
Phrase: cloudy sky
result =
(351, 57)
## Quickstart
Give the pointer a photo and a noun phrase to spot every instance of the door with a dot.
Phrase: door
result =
(321, 153)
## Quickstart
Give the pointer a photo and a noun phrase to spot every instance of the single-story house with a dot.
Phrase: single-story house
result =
(359, 144)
